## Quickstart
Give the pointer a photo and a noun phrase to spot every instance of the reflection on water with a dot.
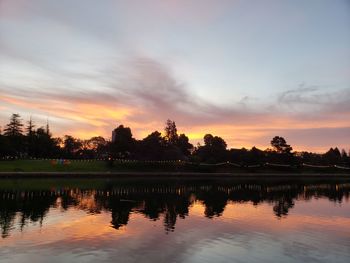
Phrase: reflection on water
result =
(223, 221)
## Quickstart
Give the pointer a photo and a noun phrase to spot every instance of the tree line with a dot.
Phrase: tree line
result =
(19, 140)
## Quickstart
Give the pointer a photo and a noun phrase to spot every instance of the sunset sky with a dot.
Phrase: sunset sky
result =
(243, 70)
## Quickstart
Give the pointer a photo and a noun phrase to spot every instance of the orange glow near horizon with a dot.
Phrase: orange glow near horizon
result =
(79, 225)
(85, 120)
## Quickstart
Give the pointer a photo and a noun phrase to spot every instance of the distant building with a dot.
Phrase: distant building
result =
(113, 135)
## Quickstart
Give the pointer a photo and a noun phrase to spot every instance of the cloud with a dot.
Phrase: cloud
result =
(142, 92)
(299, 96)
(311, 98)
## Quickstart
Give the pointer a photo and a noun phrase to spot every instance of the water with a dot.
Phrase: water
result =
(174, 221)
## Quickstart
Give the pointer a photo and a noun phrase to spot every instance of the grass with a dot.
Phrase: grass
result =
(88, 166)
(131, 166)
(48, 166)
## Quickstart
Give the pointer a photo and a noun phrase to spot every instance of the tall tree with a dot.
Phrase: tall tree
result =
(14, 128)
(30, 137)
(47, 130)
(14, 134)
(30, 127)
(171, 135)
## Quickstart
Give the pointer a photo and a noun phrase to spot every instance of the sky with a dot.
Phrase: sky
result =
(244, 70)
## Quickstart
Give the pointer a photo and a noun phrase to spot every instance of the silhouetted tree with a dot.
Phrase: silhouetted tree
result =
(122, 142)
(280, 145)
(47, 130)
(333, 156)
(14, 133)
(71, 146)
(184, 145)
(4, 146)
(214, 149)
(344, 157)
(311, 158)
(216, 142)
(30, 137)
(97, 146)
(97, 142)
(14, 128)
(343, 154)
(171, 135)
(30, 127)
(152, 147)
(44, 144)
(19, 141)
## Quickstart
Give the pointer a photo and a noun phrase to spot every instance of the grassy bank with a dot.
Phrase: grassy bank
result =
(49, 166)
(98, 166)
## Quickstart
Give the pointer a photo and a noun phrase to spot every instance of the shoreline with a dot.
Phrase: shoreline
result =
(163, 175)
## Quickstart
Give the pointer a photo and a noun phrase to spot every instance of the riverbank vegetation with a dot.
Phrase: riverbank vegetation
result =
(23, 147)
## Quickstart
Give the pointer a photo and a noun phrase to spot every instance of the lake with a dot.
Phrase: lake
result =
(221, 220)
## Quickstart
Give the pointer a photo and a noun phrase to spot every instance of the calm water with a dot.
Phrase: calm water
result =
(174, 221)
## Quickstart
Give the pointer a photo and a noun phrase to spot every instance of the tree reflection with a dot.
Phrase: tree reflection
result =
(214, 201)
(120, 211)
(28, 207)
(6, 222)
(156, 201)
(281, 208)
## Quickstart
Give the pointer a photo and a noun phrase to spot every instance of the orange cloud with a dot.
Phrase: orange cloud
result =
(86, 119)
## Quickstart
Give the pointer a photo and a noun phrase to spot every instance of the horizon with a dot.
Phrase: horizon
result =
(242, 70)
(194, 143)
